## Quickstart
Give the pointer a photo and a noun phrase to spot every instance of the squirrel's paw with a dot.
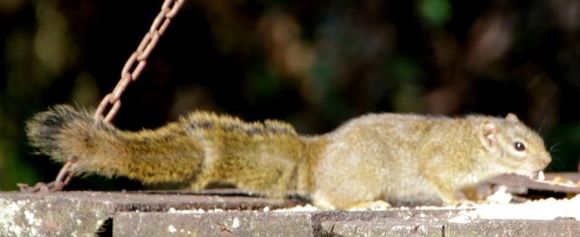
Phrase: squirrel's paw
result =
(378, 205)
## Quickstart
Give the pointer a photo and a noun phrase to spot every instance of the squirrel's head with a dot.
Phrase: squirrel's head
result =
(514, 147)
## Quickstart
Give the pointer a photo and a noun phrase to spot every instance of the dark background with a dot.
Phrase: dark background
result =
(312, 63)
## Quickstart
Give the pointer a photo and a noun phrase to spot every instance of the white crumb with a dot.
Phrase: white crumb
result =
(541, 176)
(500, 196)
(307, 207)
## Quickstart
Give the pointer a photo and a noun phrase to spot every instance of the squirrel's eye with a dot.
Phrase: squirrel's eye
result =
(519, 146)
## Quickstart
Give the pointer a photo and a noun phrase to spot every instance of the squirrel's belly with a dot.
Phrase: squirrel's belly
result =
(410, 191)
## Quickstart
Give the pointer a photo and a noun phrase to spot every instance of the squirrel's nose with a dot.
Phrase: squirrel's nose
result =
(546, 159)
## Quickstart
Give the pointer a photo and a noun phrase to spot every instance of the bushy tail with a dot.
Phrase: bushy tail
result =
(167, 154)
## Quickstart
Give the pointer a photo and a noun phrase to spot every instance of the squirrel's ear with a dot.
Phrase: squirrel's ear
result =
(512, 117)
(488, 134)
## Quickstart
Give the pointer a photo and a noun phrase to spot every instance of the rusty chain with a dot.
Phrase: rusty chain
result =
(111, 103)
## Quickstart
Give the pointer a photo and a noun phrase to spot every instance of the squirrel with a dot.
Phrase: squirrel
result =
(383, 157)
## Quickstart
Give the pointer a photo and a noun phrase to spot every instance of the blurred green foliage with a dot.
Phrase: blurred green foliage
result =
(436, 12)
(312, 63)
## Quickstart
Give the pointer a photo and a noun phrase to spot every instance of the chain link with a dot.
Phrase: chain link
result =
(111, 103)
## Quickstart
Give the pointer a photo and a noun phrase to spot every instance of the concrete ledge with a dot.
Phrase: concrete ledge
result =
(51, 215)
(386, 227)
(514, 228)
(394, 227)
(84, 213)
(237, 223)
(179, 214)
